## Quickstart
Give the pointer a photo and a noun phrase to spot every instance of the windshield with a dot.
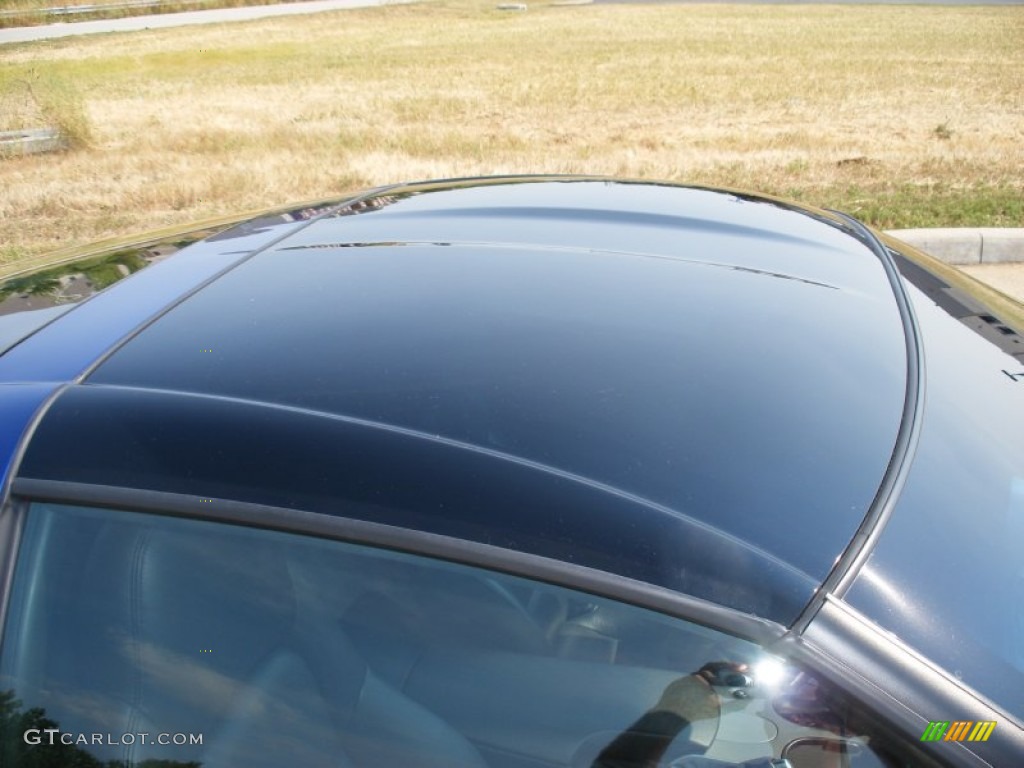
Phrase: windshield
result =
(134, 639)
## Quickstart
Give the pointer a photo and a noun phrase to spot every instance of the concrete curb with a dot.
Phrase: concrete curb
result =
(30, 141)
(980, 245)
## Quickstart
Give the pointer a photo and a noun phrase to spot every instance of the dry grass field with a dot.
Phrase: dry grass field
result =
(903, 115)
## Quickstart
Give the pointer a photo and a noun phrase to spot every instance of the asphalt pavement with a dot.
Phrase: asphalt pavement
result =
(166, 20)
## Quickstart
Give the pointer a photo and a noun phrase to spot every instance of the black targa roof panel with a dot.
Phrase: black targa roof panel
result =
(685, 386)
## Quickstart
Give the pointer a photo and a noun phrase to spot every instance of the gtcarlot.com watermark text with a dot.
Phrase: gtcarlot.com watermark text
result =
(52, 736)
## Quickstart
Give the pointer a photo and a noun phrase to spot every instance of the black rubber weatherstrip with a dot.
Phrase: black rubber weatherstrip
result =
(857, 551)
(437, 546)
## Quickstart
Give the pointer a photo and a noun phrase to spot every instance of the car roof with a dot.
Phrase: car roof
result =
(691, 387)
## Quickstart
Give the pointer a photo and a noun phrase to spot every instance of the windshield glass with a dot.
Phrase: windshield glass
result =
(134, 639)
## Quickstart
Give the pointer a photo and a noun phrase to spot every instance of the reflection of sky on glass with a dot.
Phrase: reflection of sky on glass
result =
(257, 698)
(135, 665)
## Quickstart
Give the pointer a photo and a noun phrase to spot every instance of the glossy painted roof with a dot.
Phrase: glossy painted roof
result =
(690, 387)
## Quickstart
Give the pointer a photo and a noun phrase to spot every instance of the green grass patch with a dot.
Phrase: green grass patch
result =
(911, 206)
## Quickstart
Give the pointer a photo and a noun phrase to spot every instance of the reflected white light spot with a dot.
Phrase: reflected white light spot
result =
(876, 580)
(769, 672)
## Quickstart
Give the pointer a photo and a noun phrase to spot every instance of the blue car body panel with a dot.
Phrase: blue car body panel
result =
(48, 353)
(947, 572)
(19, 403)
(63, 351)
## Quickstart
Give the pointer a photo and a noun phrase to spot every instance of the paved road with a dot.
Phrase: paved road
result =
(158, 21)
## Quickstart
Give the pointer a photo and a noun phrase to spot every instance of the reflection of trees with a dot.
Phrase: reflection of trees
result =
(15, 753)
(100, 272)
(368, 204)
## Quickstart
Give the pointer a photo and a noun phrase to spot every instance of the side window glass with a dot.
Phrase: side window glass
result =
(141, 640)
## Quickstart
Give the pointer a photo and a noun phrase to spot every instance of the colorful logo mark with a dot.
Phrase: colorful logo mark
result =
(958, 730)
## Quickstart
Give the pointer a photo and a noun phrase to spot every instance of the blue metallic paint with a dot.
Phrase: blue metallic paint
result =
(65, 349)
(946, 576)
(18, 404)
